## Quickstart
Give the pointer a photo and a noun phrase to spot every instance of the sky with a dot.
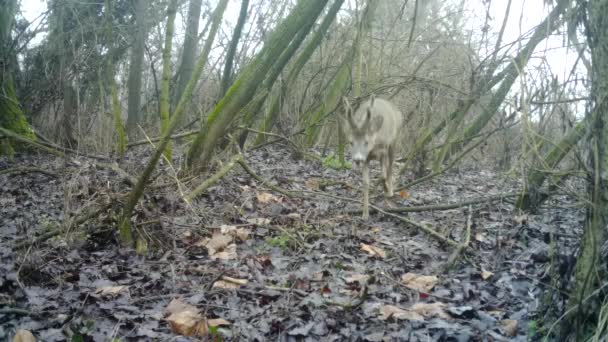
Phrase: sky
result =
(524, 16)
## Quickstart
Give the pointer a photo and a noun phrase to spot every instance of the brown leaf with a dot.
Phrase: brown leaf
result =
(24, 336)
(111, 290)
(241, 234)
(373, 251)
(404, 194)
(418, 282)
(312, 184)
(266, 197)
(229, 253)
(388, 311)
(428, 310)
(509, 326)
(217, 243)
(185, 319)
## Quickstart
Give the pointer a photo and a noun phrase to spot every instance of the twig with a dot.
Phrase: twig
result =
(446, 206)
(26, 169)
(464, 245)
(214, 179)
(263, 181)
(122, 173)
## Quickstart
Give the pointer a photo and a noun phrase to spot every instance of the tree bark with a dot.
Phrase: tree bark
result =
(136, 68)
(189, 52)
(244, 89)
(234, 42)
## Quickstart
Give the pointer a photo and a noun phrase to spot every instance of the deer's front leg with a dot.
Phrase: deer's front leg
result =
(389, 171)
(365, 192)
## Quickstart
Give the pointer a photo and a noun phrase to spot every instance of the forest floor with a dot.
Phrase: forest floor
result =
(244, 262)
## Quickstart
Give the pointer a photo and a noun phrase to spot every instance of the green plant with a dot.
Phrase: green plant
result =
(333, 162)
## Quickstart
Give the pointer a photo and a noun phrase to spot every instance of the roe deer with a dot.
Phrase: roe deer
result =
(374, 127)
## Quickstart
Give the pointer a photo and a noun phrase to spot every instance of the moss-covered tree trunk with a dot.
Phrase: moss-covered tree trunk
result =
(11, 115)
(189, 49)
(136, 65)
(138, 189)
(590, 271)
(531, 197)
(296, 68)
(244, 89)
(230, 54)
(166, 78)
(121, 138)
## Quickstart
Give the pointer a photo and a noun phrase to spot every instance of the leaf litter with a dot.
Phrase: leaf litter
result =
(246, 263)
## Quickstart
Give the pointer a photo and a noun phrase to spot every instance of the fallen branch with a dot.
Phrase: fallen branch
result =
(417, 225)
(448, 206)
(263, 181)
(28, 169)
(214, 179)
(462, 246)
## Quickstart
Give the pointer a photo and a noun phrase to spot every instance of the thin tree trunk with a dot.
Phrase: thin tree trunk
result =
(531, 197)
(589, 273)
(294, 72)
(189, 52)
(136, 68)
(234, 42)
(165, 83)
(138, 189)
(245, 87)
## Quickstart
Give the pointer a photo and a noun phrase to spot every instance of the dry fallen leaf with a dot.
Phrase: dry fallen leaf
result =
(388, 311)
(373, 251)
(428, 310)
(485, 275)
(521, 219)
(376, 230)
(479, 237)
(418, 282)
(229, 253)
(241, 234)
(111, 290)
(24, 336)
(266, 197)
(312, 184)
(404, 194)
(217, 243)
(185, 319)
(509, 326)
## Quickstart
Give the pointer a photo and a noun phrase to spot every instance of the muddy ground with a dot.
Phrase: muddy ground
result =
(243, 262)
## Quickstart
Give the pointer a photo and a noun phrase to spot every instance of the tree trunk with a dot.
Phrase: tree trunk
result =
(136, 68)
(11, 115)
(590, 269)
(531, 197)
(294, 72)
(234, 42)
(246, 86)
(189, 53)
(138, 189)
(166, 78)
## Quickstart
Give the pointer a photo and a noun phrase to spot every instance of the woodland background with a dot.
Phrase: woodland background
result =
(161, 101)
